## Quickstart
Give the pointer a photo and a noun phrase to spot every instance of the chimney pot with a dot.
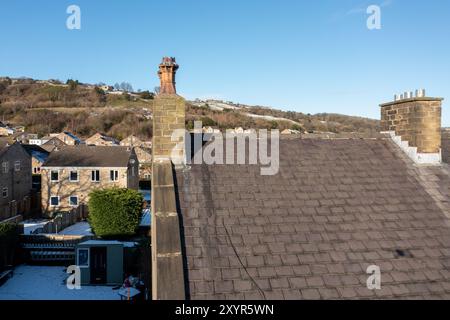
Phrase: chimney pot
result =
(166, 73)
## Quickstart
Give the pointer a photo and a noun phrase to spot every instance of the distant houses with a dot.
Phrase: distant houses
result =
(52, 144)
(290, 131)
(131, 141)
(65, 168)
(144, 153)
(100, 139)
(68, 138)
(5, 130)
(71, 173)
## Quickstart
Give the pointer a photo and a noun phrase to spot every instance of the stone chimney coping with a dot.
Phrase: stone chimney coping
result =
(410, 100)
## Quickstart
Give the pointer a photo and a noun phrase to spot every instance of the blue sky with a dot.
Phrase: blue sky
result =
(308, 56)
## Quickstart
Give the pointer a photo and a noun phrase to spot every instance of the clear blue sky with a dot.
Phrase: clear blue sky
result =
(308, 56)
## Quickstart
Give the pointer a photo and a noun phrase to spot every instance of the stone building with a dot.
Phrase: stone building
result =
(71, 173)
(52, 144)
(132, 141)
(68, 138)
(335, 209)
(100, 139)
(15, 179)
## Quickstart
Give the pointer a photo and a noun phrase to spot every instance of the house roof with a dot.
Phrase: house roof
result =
(102, 136)
(89, 156)
(311, 231)
(52, 143)
(36, 151)
(71, 135)
(131, 139)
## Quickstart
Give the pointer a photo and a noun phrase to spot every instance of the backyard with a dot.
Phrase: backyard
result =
(48, 283)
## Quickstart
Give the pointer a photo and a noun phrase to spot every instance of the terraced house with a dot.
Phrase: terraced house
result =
(72, 172)
(336, 209)
(15, 179)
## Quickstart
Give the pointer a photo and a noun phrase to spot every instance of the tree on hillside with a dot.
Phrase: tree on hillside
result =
(125, 86)
(147, 95)
(73, 84)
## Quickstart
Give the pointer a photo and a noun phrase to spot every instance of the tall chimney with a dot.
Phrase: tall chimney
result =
(168, 117)
(167, 71)
(417, 121)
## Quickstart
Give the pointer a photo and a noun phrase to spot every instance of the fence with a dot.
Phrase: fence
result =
(47, 248)
(27, 207)
(65, 219)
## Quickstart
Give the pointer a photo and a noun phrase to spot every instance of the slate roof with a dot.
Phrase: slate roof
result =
(89, 156)
(52, 143)
(310, 232)
(37, 152)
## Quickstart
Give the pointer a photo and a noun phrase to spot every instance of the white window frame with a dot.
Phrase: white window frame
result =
(88, 257)
(17, 166)
(115, 174)
(5, 167)
(99, 176)
(70, 176)
(70, 201)
(51, 172)
(53, 205)
(5, 190)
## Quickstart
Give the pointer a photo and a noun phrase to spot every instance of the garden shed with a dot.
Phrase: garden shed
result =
(100, 262)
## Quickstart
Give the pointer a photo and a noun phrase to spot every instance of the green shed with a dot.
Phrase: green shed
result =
(100, 262)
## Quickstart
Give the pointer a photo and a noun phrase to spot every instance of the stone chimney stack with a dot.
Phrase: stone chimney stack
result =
(167, 71)
(414, 122)
(168, 117)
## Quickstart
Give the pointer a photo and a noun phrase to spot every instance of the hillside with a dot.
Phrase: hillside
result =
(51, 106)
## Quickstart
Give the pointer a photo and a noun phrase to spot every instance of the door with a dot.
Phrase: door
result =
(98, 265)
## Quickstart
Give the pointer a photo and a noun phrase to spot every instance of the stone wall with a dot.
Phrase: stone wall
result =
(168, 116)
(446, 145)
(416, 120)
(168, 282)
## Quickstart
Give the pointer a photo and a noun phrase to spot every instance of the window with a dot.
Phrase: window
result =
(83, 258)
(5, 192)
(74, 176)
(95, 175)
(132, 171)
(73, 201)
(5, 167)
(54, 175)
(17, 165)
(114, 175)
(54, 201)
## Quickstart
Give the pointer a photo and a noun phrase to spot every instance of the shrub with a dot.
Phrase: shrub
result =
(147, 95)
(115, 212)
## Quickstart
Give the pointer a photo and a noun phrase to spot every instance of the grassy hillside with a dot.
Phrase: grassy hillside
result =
(50, 106)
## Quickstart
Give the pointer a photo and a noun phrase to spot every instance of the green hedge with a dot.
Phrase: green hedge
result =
(115, 212)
